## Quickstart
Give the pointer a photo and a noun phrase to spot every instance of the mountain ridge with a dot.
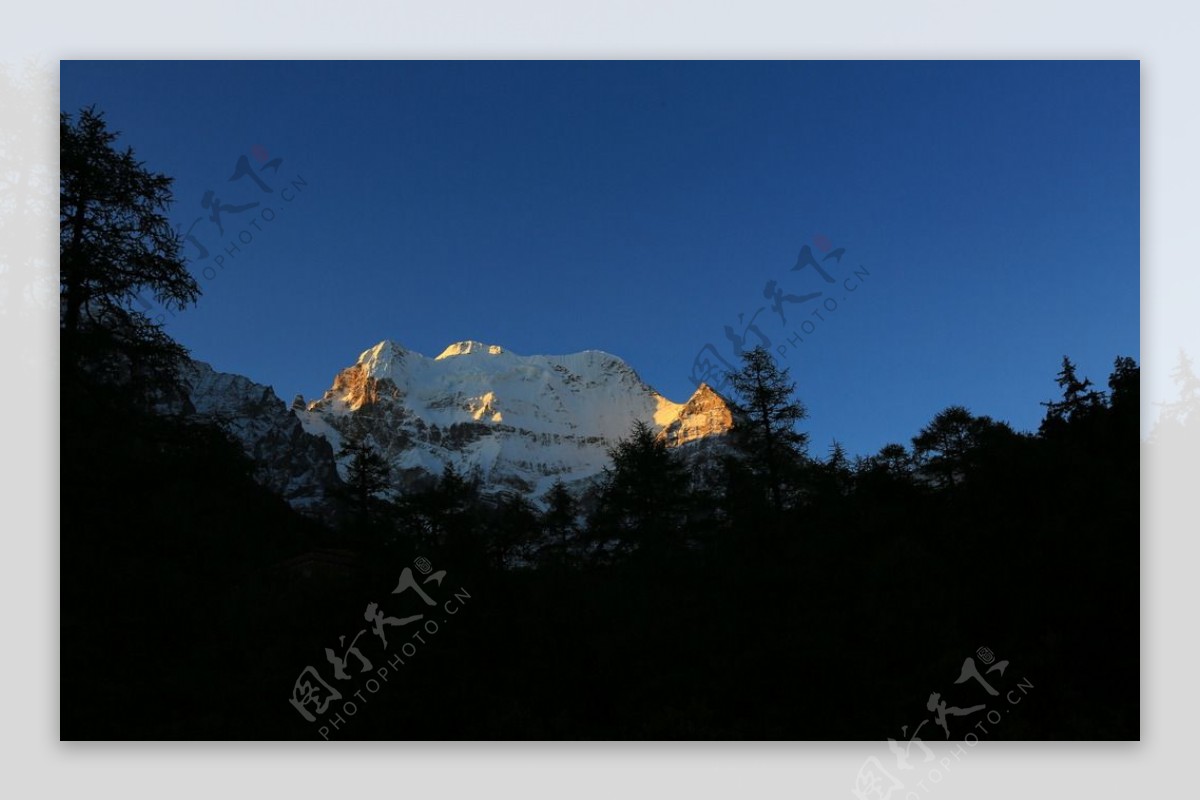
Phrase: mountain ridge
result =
(517, 423)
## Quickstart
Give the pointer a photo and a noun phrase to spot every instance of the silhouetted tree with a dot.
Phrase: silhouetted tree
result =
(170, 547)
(1124, 397)
(895, 459)
(115, 241)
(560, 521)
(1123, 382)
(766, 429)
(644, 494)
(883, 482)
(943, 447)
(1079, 400)
(834, 475)
(368, 475)
(743, 504)
(513, 529)
(446, 516)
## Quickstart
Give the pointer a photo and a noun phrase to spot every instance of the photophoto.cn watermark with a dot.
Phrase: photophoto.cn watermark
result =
(229, 223)
(968, 724)
(356, 677)
(787, 328)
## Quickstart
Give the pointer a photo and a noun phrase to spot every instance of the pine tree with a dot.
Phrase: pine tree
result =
(514, 528)
(115, 241)
(1079, 400)
(1124, 393)
(838, 469)
(446, 517)
(942, 446)
(895, 459)
(560, 520)
(644, 495)
(881, 478)
(766, 431)
(367, 476)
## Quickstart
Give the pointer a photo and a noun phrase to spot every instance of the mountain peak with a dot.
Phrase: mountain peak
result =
(470, 346)
(704, 389)
(706, 414)
(382, 352)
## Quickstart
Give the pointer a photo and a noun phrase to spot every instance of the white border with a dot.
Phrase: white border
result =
(1161, 34)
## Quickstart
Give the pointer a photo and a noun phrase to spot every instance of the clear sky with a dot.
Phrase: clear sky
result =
(641, 207)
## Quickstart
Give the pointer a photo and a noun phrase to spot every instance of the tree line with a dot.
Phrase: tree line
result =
(762, 486)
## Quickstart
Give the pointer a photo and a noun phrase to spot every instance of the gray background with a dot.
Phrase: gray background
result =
(36, 764)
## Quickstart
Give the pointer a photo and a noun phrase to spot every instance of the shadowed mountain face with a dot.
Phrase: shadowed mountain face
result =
(518, 423)
(294, 464)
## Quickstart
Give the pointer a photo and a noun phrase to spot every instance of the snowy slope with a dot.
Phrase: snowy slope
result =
(517, 422)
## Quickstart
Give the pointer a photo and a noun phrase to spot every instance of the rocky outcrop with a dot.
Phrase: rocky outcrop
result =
(706, 414)
(295, 464)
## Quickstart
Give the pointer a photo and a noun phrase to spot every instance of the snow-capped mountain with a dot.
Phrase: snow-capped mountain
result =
(516, 422)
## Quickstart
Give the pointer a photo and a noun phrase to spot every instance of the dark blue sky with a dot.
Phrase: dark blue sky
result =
(639, 208)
